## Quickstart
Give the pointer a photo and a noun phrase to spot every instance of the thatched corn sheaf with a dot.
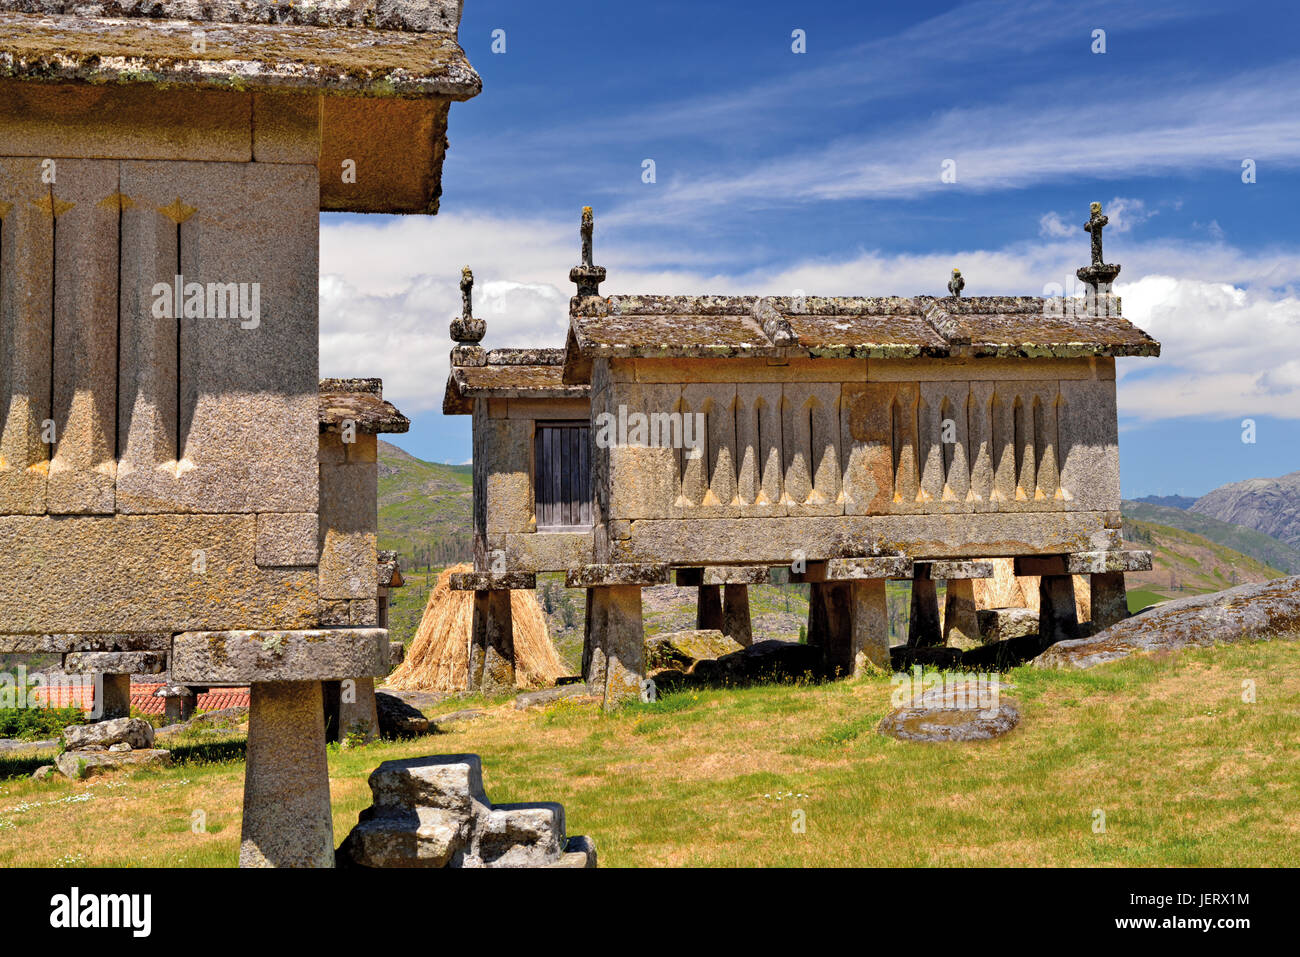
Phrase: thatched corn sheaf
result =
(438, 657)
(1005, 590)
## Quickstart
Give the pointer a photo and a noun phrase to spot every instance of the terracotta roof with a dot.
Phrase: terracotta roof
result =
(360, 401)
(872, 327)
(510, 374)
(142, 697)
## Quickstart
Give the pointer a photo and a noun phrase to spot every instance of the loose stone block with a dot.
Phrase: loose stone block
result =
(708, 608)
(521, 835)
(735, 614)
(1001, 624)
(83, 764)
(116, 662)
(492, 644)
(287, 820)
(135, 732)
(243, 657)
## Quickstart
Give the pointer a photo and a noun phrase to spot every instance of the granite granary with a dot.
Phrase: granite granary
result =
(166, 441)
(849, 440)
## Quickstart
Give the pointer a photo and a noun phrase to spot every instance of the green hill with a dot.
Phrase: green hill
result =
(1263, 548)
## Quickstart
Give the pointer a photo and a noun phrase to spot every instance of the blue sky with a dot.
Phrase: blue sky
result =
(776, 170)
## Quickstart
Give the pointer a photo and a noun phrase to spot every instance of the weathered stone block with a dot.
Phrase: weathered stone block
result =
(136, 732)
(287, 539)
(243, 657)
(116, 662)
(491, 581)
(521, 835)
(449, 781)
(83, 764)
(638, 574)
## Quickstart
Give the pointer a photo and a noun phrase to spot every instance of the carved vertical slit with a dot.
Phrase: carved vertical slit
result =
(760, 450)
(52, 445)
(117, 366)
(180, 311)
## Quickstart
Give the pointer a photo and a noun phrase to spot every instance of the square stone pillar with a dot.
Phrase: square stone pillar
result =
(116, 701)
(492, 633)
(1109, 600)
(1058, 619)
(287, 820)
(708, 607)
(358, 712)
(848, 610)
(961, 626)
(492, 644)
(614, 647)
(923, 629)
(735, 614)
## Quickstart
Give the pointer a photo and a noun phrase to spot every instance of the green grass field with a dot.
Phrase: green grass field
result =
(1183, 769)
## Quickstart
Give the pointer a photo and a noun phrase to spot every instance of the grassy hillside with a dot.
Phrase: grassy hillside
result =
(1186, 773)
(1184, 563)
(1257, 545)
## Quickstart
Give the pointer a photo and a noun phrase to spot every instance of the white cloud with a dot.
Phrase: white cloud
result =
(388, 291)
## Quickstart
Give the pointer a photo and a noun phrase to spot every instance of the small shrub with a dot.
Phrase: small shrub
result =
(33, 724)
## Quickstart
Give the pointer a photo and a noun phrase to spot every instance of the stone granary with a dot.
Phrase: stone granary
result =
(162, 171)
(354, 582)
(849, 439)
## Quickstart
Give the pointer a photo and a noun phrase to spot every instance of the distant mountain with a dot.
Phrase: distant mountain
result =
(1258, 546)
(1169, 501)
(1271, 506)
(1185, 562)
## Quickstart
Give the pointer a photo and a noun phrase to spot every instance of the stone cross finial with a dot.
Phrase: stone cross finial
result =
(956, 284)
(588, 226)
(1099, 274)
(1094, 225)
(587, 276)
(465, 329)
(466, 293)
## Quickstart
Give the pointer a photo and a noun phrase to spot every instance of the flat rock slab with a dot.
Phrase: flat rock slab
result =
(595, 576)
(487, 581)
(1258, 611)
(535, 699)
(933, 720)
(468, 714)
(245, 657)
(81, 764)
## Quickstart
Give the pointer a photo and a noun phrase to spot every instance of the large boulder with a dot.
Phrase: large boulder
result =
(81, 764)
(433, 812)
(1261, 610)
(136, 732)
(681, 649)
(397, 719)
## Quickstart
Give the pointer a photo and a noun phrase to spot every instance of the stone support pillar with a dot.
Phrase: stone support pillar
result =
(848, 611)
(1109, 600)
(1058, 619)
(923, 629)
(708, 607)
(358, 713)
(735, 614)
(492, 644)
(614, 646)
(961, 627)
(116, 701)
(287, 820)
